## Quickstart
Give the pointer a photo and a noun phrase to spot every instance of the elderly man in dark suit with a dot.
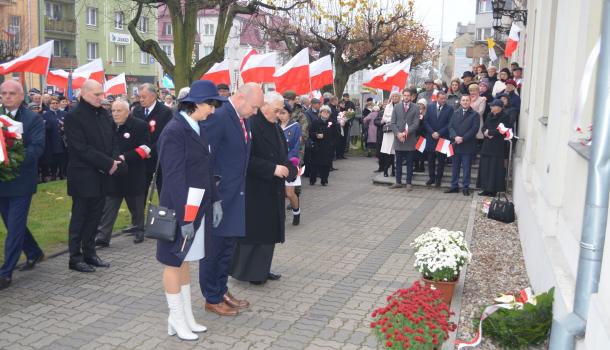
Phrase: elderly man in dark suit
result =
(16, 195)
(404, 125)
(436, 123)
(463, 130)
(229, 138)
(93, 159)
(156, 114)
(133, 140)
(268, 170)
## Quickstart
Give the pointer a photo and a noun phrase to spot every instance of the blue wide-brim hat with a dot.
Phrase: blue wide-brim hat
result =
(203, 90)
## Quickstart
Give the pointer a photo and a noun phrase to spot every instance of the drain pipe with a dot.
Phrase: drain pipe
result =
(564, 332)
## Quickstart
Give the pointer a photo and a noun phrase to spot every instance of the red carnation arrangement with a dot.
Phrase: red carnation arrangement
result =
(414, 318)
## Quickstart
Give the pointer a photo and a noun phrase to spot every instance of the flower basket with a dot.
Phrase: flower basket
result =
(440, 255)
(414, 318)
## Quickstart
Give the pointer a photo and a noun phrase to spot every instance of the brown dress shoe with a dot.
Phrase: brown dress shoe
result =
(236, 303)
(222, 309)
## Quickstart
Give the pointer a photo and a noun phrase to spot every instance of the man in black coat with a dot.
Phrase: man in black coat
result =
(54, 153)
(16, 195)
(156, 115)
(133, 140)
(268, 169)
(93, 159)
(463, 130)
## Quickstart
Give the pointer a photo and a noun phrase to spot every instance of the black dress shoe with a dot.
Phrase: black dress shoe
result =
(100, 243)
(324, 184)
(139, 237)
(274, 276)
(4, 282)
(466, 192)
(429, 182)
(132, 229)
(438, 184)
(96, 261)
(483, 193)
(81, 266)
(452, 190)
(257, 283)
(30, 264)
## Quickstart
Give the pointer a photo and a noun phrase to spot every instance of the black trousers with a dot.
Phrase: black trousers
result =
(436, 166)
(111, 211)
(86, 215)
(387, 161)
(321, 171)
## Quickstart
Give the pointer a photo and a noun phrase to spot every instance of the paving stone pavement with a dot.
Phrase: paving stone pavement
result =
(350, 251)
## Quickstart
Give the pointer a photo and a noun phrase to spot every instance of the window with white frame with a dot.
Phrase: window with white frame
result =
(53, 10)
(485, 6)
(119, 19)
(208, 29)
(120, 53)
(143, 57)
(484, 33)
(57, 48)
(92, 50)
(207, 50)
(167, 28)
(91, 14)
(143, 24)
(168, 49)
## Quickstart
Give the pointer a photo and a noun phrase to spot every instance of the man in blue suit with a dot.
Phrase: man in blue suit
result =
(463, 129)
(436, 123)
(16, 195)
(229, 137)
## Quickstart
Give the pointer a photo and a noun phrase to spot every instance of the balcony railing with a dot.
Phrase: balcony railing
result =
(63, 62)
(60, 26)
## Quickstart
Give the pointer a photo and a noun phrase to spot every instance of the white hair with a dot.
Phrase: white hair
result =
(273, 96)
(183, 92)
(122, 102)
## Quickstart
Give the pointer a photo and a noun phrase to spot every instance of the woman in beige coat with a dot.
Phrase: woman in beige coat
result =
(387, 143)
(478, 103)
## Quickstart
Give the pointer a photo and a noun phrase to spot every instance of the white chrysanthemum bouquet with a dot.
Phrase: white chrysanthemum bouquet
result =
(440, 254)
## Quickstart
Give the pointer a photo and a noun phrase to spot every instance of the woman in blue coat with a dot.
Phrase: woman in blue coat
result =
(185, 161)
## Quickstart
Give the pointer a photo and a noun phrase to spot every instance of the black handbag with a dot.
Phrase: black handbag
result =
(386, 128)
(160, 221)
(501, 209)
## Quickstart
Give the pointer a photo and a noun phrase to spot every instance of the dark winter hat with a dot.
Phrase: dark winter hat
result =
(203, 90)
(34, 91)
(222, 86)
(290, 95)
(370, 99)
(497, 102)
(429, 81)
(511, 82)
(314, 101)
(467, 74)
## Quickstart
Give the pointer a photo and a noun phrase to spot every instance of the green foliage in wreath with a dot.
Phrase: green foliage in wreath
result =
(519, 329)
(16, 155)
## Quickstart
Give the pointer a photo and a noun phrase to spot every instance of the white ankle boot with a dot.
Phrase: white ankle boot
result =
(185, 292)
(176, 323)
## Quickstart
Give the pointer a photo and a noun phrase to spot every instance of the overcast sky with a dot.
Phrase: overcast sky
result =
(429, 13)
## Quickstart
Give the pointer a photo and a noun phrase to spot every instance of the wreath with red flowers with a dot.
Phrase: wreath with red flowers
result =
(11, 145)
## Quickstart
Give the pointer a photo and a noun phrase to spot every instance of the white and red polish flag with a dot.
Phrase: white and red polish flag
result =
(398, 75)
(376, 76)
(513, 40)
(421, 144)
(258, 68)
(218, 74)
(294, 75)
(193, 202)
(36, 60)
(507, 132)
(246, 57)
(116, 85)
(59, 78)
(444, 146)
(321, 72)
(434, 94)
(93, 70)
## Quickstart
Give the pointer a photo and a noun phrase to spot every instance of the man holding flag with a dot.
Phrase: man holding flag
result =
(404, 125)
(16, 195)
(436, 123)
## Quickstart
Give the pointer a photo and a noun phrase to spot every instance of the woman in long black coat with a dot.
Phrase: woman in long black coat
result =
(322, 132)
(185, 160)
(268, 169)
(492, 172)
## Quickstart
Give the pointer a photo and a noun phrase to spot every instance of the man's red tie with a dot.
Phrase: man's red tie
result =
(243, 127)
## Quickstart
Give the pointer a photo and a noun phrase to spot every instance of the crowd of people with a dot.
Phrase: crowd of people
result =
(245, 153)
(467, 112)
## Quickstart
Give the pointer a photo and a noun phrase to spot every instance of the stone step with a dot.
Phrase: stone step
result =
(418, 181)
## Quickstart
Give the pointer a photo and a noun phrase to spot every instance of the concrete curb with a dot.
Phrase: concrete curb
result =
(456, 302)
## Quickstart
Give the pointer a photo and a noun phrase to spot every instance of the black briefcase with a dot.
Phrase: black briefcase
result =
(501, 209)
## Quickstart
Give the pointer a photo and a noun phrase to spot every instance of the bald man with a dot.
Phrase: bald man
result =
(229, 138)
(16, 195)
(134, 148)
(93, 160)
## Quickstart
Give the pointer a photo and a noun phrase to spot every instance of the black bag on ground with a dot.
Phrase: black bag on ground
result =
(160, 221)
(501, 209)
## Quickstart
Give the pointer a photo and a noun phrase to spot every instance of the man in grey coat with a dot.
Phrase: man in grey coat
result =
(404, 125)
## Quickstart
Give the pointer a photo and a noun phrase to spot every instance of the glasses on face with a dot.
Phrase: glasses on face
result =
(213, 103)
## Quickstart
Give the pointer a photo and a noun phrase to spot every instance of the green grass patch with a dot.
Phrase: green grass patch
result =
(50, 215)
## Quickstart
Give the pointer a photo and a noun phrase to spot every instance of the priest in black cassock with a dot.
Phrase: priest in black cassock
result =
(268, 169)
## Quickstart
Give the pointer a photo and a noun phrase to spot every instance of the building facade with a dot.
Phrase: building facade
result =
(102, 33)
(551, 165)
(58, 23)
